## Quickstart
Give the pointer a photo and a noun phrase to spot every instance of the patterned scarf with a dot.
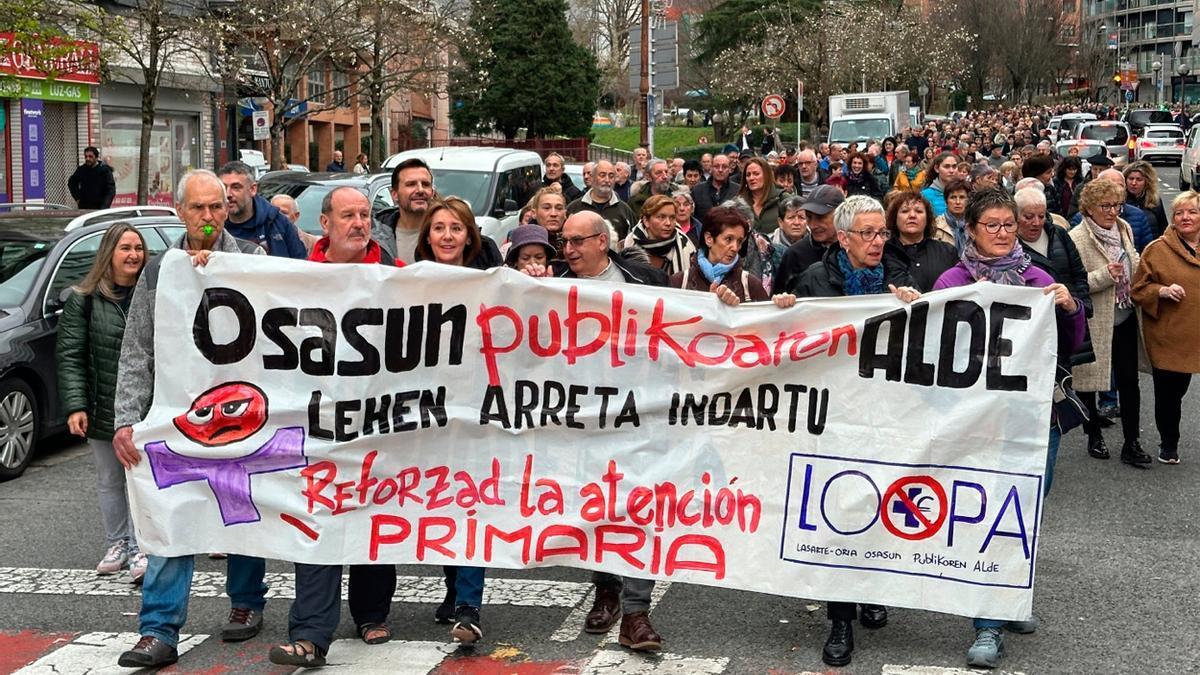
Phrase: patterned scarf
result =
(1006, 270)
(865, 281)
(959, 227)
(1110, 242)
(673, 249)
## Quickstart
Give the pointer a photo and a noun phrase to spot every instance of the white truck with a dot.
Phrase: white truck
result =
(870, 115)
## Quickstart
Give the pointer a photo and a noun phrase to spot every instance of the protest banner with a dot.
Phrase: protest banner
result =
(852, 449)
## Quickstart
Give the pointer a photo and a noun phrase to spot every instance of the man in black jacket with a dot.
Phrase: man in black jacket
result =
(821, 235)
(92, 185)
(717, 189)
(555, 174)
(588, 256)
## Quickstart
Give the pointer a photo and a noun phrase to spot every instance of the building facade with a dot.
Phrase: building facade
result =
(46, 120)
(1140, 33)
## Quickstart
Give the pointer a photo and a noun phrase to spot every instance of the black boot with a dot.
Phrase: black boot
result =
(840, 644)
(1096, 446)
(872, 616)
(1133, 454)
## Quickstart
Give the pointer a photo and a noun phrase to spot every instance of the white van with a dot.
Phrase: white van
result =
(496, 182)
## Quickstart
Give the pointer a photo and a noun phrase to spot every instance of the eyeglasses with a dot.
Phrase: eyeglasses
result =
(1109, 207)
(871, 235)
(992, 228)
(576, 242)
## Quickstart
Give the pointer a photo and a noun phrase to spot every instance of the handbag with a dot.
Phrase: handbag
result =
(1068, 410)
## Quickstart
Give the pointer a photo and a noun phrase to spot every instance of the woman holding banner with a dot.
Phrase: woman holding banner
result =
(993, 254)
(89, 346)
(858, 264)
(450, 236)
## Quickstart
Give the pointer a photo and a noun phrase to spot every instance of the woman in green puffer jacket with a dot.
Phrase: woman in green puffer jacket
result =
(89, 346)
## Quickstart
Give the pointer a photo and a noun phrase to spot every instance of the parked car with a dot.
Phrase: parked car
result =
(1069, 121)
(41, 256)
(496, 182)
(1191, 159)
(1138, 118)
(1053, 125)
(308, 189)
(575, 171)
(1113, 134)
(1085, 150)
(1160, 142)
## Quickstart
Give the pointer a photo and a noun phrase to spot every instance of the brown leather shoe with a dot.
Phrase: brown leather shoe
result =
(604, 612)
(638, 634)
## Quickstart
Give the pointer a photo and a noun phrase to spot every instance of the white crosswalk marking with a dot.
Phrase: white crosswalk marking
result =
(614, 662)
(517, 592)
(890, 669)
(96, 654)
(397, 657)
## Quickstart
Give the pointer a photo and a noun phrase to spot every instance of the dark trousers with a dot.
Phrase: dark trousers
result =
(1169, 390)
(1125, 370)
(842, 611)
(316, 611)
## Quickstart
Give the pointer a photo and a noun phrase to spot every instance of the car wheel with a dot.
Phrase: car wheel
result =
(18, 427)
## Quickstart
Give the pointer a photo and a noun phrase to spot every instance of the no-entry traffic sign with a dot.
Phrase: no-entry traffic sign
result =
(773, 106)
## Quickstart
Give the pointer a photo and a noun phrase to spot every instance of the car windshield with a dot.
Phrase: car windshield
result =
(1083, 151)
(1069, 125)
(308, 198)
(1110, 134)
(473, 186)
(859, 130)
(1143, 117)
(20, 260)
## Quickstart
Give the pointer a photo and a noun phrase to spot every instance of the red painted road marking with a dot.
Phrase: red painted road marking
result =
(22, 648)
(486, 665)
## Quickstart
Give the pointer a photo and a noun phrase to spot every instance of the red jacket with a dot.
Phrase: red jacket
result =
(375, 253)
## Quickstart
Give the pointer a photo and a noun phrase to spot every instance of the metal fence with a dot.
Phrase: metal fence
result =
(598, 152)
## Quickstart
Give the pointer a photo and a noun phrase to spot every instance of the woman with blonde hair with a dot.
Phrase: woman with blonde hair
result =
(1167, 288)
(89, 345)
(1106, 248)
(1141, 190)
(659, 235)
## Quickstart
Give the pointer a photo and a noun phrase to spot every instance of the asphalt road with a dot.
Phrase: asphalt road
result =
(1116, 593)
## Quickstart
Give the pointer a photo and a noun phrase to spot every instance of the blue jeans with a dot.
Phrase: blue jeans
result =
(1051, 457)
(168, 582)
(468, 586)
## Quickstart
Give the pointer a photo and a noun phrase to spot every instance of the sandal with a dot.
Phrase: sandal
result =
(383, 633)
(300, 655)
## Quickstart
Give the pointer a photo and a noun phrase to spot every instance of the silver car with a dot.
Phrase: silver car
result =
(1115, 135)
(1160, 142)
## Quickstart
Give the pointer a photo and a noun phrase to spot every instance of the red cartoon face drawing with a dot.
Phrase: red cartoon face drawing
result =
(225, 414)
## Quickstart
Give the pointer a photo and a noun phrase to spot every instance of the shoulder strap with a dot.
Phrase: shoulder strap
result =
(88, 301)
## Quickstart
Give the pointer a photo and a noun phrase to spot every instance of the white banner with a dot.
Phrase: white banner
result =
(849, 449)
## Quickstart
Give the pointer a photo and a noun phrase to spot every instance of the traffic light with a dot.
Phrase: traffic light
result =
(1117, 77)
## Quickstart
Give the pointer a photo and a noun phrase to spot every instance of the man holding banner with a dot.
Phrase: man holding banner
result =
(202, 204)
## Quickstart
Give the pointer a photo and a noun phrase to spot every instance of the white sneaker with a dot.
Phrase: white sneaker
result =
(137, 567)
(114, 560)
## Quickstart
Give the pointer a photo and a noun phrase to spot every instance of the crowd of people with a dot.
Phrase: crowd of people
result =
(979, 199)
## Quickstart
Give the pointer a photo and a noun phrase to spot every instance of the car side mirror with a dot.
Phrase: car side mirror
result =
(54, 306)
(508, 207)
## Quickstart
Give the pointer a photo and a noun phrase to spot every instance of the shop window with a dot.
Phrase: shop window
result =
(173, 151)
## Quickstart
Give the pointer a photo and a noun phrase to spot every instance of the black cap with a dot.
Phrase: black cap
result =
(823, 199)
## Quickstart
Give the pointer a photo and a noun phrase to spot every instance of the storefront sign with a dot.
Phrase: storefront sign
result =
(45, 90)
(81, 64)
(32, 133)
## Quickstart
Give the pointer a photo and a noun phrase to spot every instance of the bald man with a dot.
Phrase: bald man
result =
(288, 207)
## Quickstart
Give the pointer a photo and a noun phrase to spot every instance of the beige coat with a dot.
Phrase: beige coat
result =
(1171, 329)
(1096, 376)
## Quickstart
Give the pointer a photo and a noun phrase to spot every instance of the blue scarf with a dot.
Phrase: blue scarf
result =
(866, 281)
(714, 272)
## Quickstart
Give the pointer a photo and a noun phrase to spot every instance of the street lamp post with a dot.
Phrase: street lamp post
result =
(1157, 68)
(1183, 71)
(923, 90)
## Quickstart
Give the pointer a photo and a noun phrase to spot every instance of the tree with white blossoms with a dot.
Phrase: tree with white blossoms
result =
(842, 47)
(286, 40)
